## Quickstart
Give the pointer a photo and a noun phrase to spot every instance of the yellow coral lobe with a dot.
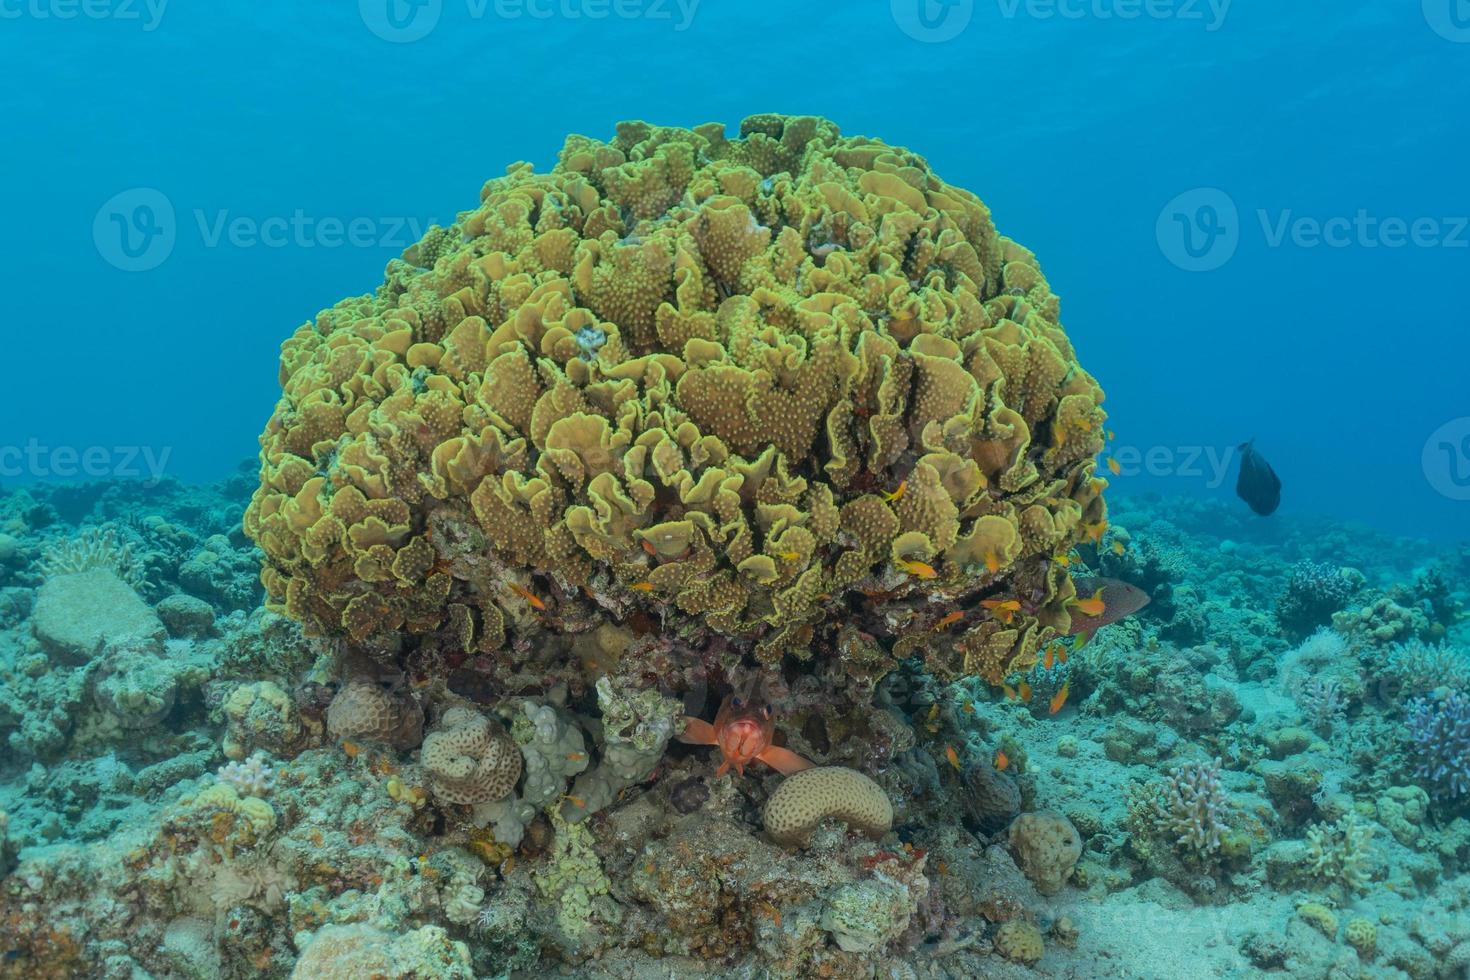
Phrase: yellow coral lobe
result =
(699, 352)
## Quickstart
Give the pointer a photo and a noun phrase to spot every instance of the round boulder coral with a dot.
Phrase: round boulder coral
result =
(362, 709)
(470, 759)
(755, 385)
(1046, 847)
(806, 798)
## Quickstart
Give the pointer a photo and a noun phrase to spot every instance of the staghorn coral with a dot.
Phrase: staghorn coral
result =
(805, 799)
(743, 383)
(1418, 667)
(253, 777)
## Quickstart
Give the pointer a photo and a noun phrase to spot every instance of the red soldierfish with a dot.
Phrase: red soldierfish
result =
(743, 730)
(1119, 599)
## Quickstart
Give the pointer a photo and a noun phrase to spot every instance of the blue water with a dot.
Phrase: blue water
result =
(1076, 124)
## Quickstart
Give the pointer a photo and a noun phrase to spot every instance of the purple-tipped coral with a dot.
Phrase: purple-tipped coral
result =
(1440, 731)
(253, 777)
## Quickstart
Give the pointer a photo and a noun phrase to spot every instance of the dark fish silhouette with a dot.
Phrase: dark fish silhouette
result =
(1258, 485)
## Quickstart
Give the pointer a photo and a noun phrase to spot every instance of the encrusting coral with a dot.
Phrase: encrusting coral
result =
(751, 386)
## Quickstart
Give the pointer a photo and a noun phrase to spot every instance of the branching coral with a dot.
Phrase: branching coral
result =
(94, 547)
(1419, 667)
(742, 384)
(253, 777)
(1342, 853)
(1190, 806)
(1313, 593)
(1439, 729)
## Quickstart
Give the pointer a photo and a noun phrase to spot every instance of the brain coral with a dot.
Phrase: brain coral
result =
(806, 798)
(753, 385)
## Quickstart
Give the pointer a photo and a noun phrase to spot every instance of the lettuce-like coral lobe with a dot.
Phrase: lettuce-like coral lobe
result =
(749, 387)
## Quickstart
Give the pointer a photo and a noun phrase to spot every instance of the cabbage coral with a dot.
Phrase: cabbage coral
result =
(743, 388)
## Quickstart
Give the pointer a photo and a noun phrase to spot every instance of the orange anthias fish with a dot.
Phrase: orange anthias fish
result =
(1060, 698)
(1005, 609)
(1109, 600)
(743, 730)
(918, 568)
(529, 596)
(1093, 605)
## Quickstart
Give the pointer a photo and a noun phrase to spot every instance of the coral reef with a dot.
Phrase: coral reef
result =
(739, 385)
(777, 417)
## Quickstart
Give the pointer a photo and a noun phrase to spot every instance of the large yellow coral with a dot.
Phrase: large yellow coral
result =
(763, 384)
